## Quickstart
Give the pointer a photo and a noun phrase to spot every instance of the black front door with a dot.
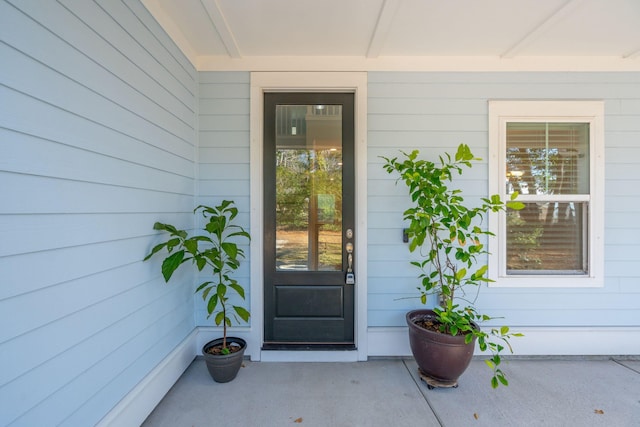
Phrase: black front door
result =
(308, 220)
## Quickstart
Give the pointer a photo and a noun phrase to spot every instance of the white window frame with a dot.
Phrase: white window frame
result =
(592, 112)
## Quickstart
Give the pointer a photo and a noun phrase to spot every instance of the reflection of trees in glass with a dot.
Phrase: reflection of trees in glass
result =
(327, 180)
(292, 183)
(543, 171)
(543, 235)
(523, 241)
(299, 173)
(537, 243)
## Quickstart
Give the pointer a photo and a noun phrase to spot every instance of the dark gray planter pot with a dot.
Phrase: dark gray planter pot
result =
(224, 368)
(441, 358)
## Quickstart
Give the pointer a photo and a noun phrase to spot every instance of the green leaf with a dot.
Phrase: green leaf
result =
(494, 382)
(481, 271)
(173, 243)
(231, 249)
(205, 293)
(212, 304)
(238, 288)
(155, 250)
(191, 246)
(516, 206)
(171, 263)
(240, 233)
(202, 286)
(503, 379)
(219, 318)
(242, 312)
(221, 291)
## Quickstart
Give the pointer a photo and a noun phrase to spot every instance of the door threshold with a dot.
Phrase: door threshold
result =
(308, 346)
(309, 356)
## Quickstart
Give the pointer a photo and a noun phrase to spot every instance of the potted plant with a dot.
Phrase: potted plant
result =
(216, 249)
(450, 239)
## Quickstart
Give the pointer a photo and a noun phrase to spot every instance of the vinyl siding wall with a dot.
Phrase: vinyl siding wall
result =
(98, 114)
(434, 112)
(223, 161)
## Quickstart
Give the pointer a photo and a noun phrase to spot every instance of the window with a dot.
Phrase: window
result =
(551, 152)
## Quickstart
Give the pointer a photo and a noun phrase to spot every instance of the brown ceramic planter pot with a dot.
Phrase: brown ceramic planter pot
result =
(441, 358)
(224, 368)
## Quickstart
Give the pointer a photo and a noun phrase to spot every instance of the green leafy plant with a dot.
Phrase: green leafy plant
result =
(450, 238)
(218, 250)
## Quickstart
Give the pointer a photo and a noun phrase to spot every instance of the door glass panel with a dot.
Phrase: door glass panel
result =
(309, 187)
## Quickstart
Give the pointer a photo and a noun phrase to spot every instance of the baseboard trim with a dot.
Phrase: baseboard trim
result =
(136, 406)
(537, 341)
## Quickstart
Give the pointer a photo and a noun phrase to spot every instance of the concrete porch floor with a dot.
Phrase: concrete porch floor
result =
(542, 392)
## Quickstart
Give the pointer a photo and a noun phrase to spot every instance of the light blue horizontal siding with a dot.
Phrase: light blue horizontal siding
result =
(434, 112)
(223, 160)
(98, 140)
(34, 117)
(68, 163)
(42, 232)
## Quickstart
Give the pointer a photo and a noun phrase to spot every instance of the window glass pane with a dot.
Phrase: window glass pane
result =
(547, 236)
(548, 158)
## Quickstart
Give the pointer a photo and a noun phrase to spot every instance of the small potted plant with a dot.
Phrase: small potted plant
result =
(449, 237)
(216, 249)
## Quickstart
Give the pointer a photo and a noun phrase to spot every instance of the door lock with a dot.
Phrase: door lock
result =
(350, 278)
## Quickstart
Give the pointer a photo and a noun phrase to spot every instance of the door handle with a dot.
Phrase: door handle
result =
(350, 278)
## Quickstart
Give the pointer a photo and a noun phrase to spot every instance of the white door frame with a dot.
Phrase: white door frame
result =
(261, 82)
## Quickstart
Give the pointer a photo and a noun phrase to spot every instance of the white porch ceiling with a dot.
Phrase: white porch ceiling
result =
(404, 34)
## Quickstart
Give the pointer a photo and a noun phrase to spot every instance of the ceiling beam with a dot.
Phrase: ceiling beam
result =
(222, 27)
(419, 63)
(169, 26)
(383, 25)
(542, 28)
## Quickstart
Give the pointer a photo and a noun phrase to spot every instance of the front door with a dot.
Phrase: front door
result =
(309, 222)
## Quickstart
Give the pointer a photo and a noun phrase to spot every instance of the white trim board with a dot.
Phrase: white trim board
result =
(537, 341)
(136, 406)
